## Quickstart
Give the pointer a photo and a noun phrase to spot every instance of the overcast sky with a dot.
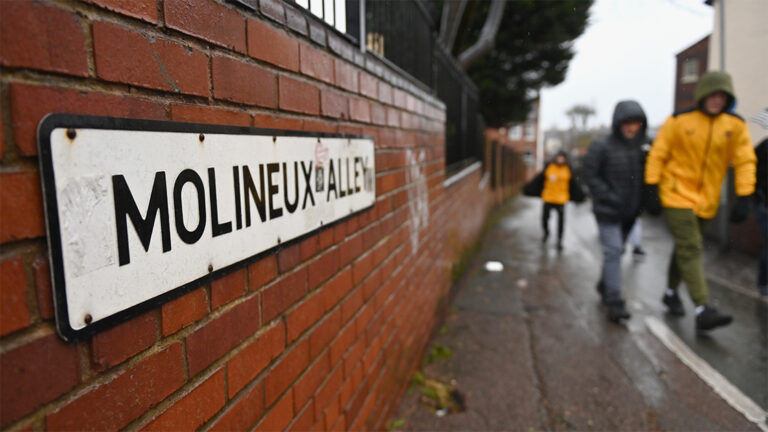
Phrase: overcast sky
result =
(627, 52)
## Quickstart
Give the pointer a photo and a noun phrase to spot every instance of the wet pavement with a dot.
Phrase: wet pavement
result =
(532, 349)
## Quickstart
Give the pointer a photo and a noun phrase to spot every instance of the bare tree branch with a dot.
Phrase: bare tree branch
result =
(453, 11)
(487, 35)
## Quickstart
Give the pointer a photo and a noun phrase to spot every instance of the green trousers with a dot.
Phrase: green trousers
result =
(685, 265)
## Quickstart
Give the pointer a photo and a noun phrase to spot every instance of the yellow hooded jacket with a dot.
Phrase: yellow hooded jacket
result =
(691, 155)
(556, 184)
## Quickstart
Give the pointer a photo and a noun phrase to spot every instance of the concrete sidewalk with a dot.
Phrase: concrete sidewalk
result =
(532, 349)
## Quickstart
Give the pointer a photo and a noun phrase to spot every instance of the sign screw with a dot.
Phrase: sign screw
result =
(278, 240)
(88, 318)
(71, 133)
(201, 137)
(210, 268)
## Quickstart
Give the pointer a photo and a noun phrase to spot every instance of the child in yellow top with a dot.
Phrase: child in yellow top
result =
(557, 178)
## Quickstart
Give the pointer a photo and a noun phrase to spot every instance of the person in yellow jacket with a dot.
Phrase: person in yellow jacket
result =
(556, 192)
(685, 170)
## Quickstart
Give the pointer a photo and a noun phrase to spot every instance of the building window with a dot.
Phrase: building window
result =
(515, 132)
(690, 71)
(530, 131)
(333, 12)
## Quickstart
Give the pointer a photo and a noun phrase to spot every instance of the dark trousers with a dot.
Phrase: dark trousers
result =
(560, 218)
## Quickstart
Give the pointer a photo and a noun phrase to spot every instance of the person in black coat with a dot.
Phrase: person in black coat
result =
(614, 173)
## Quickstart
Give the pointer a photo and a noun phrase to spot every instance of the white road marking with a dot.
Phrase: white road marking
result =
(732, 395)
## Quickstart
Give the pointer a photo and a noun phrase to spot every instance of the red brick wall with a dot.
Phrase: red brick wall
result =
(321, 334)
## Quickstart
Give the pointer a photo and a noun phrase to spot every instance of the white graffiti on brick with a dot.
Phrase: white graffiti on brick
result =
(418, 195)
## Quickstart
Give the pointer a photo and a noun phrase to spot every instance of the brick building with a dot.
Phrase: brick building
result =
(691, 65)
(320, 333)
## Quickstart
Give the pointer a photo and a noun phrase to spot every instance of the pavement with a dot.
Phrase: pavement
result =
(529, 347)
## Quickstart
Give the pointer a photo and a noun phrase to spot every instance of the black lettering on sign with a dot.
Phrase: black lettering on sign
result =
(238, 215)
(331, 182)
(217, 228)
(291, 206)
(307, 184)
(250, 191)
(342, 191)
(349, 189)
(357, 173)
(189, 176)
(125, 206)
(273, 189)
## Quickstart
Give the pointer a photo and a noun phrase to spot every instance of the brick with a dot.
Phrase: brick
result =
(31, 103)
(39, 36)
(317, 32)
(27, 379)
(271, 122)
(193, 409)
(336, 289)
(285, 372)
(244, 413)
(228, 288)
(262, 272)
(393, 117)
(400, 98)
(323, 268)
(334, 104)
(299, 96)
(280, 296)
(221, 25)
(184, 311)
(124, 398)
(128, 57)
(210, 115)
(319, 126)
(308, 247)
(351, 249)
(244, 83)
(362, 268)
(344, 340)
(346, 76)
(271, 45)
(279, 417)
(43, 288)
(113, 346)
(306, 387)
(295, 20)
(219, 336)
(21, 204)
(385, 93)
(248, 363)
(351, 305)
(288, 257)
(273, 9)
(316, 64)
(369, 85)
(304, 419)
(14, 312)
(359, 110)
(378, 116)
(303, 317)
(326, 396)
(142, 9)
(324, 333)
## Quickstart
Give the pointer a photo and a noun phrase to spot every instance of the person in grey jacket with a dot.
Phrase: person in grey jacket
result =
(613, 170)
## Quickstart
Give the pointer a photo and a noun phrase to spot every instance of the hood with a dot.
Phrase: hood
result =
(625, 111)
(715, 81)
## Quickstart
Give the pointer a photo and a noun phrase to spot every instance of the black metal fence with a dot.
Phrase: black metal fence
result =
(404, 33)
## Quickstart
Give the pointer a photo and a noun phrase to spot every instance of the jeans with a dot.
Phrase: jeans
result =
(685, 265)
(761, 216)
(612, 236)
(560, 218)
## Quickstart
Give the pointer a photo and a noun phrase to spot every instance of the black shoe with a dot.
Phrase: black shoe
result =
(559, 245)
(710, 318)
(674, 305)
(617, 311)
(601, 290)
(546, 236)
(638, 251)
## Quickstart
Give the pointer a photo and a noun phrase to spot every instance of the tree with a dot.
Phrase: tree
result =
(511, 49)
(580, 112)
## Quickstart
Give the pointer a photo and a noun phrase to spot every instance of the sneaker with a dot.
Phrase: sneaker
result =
(617, 311)
(638, 251)
(710, 318)
(674, 305)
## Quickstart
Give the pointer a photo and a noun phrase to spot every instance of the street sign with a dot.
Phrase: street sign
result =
(139, 212)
